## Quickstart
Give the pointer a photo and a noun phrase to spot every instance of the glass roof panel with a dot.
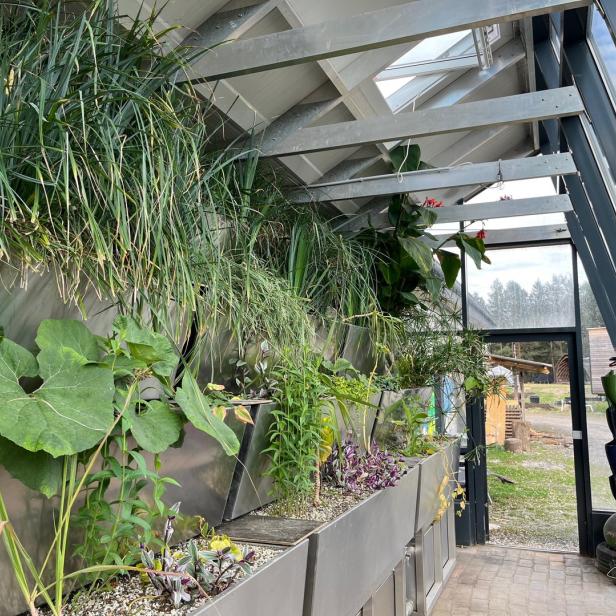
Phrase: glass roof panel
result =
(432, 48)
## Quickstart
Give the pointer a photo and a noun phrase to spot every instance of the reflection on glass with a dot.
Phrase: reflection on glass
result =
(603, 44)
(596, 349)
(529, 287)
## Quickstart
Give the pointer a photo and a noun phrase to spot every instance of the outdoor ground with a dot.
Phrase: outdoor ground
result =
(496, 581)
(540, 509)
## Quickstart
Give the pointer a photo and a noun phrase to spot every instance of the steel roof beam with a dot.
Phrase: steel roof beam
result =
(517, 235)
(517, 109)
(437, 179)
(476, 211)
(504, 209)
(370, 30)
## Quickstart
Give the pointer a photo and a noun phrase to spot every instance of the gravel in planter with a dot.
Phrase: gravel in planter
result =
(129, 596)
(334, 502)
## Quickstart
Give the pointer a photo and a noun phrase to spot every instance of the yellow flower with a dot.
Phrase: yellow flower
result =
(9, 81)
(236, 552)
(214, 387)
(220, 543)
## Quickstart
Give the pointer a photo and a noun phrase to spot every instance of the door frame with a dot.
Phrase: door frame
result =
(572, 337)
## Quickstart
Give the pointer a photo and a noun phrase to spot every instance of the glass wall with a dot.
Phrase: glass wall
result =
(602, 44)
(596, 349)
(529, 287)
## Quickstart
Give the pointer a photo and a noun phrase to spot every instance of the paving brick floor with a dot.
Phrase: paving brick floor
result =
(491, 580)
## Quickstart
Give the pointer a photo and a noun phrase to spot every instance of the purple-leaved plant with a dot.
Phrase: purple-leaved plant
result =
(352, 469)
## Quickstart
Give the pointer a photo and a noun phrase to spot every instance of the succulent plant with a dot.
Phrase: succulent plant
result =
(210, 571)
(352, 469)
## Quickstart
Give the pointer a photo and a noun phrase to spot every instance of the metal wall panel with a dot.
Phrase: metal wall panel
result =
(251, 487)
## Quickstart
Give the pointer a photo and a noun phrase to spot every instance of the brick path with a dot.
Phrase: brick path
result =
(491, 580)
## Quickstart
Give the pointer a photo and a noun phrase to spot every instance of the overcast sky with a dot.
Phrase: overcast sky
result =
(524, 265)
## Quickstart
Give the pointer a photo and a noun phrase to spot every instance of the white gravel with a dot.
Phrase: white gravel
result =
(130, 597)
(334, 502)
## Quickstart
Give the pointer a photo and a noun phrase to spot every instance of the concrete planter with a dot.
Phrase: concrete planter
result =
(276, 588)
(351, 557)
(432, 473)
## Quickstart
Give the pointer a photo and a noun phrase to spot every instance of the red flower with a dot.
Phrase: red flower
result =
(431, 202)
(481, 235)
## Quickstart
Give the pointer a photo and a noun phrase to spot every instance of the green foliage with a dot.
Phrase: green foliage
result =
(210, 571)
(296, 432)
(405, 261)
(405, 427)
(59, 442)
(436, 345)
(197, 409)
(115, 526)
(72, 408)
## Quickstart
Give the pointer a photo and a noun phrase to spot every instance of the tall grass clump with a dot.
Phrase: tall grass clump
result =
(103, 176)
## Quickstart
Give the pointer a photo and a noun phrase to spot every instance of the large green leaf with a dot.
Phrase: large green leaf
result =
(199, 413)
(70, 412)
(420, 253)
(69, 338)
(156, 428)
(450, 264)
(154, 349)
(37, 470)
(405, 158)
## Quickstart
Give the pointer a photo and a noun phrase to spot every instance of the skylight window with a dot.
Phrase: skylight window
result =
(431, 59)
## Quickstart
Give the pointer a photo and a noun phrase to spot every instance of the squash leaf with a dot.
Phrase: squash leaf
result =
(154, 349)
(156, 427)
(38, 471)
(70, 412)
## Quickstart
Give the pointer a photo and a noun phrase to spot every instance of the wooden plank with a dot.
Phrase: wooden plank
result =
(516, 109)
(370, 30)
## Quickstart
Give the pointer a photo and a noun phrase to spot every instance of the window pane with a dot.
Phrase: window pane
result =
(596, 349)
(603, 44)
(528, 287)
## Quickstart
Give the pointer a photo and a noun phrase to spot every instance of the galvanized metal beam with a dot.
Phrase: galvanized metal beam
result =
(504, 209)
(370, 30)
(295, 118)
(229, 25)
(436, 179)
(475, 211)
(511, 237)
(517, 109)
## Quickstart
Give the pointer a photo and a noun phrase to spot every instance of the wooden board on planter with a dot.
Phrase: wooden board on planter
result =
(268, 530)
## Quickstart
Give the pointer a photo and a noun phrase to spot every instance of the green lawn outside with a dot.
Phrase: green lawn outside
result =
(540, 509)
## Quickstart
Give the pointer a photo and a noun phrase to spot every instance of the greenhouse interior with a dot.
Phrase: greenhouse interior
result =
(305, 307)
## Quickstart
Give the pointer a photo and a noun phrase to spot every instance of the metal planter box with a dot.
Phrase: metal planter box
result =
(251, 487)
(352, 556)
(275, 589)
(432, 472)
(435, 553)
(384, 431)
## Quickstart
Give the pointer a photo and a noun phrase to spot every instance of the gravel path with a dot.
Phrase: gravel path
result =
(559, 424)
